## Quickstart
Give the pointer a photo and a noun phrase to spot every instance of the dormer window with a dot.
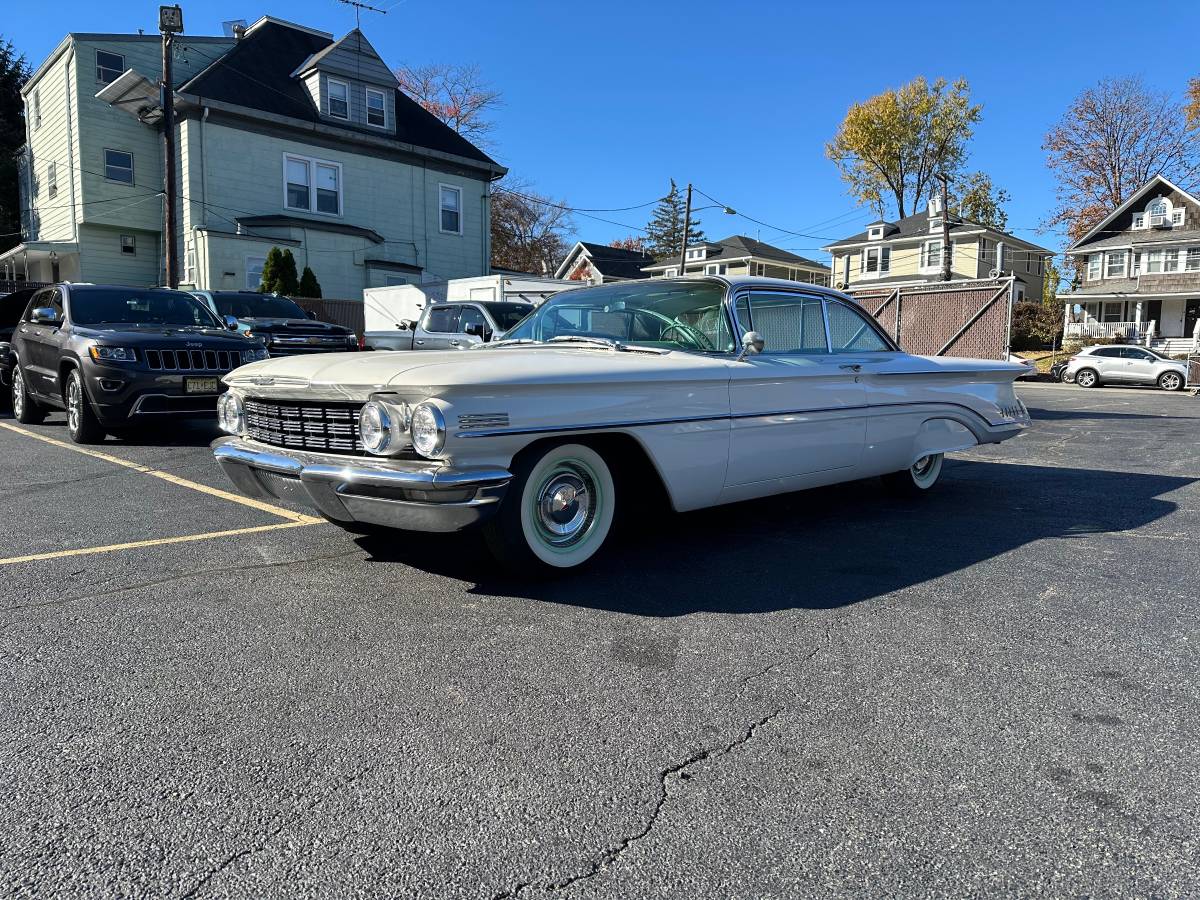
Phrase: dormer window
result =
(1177, 217)
(697, 253)
(1139, 220)
(875, 233)
(376, 108)
(1157, 211)
(935, 224)
(339, 99)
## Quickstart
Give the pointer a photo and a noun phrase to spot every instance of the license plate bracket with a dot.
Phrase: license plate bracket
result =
(201, 385)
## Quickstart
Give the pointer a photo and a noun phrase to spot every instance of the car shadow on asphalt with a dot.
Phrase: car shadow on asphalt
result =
(815, 549)
(1068, 415)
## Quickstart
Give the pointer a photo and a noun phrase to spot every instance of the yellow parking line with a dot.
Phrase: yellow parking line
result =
(153, 542)
(298, 518)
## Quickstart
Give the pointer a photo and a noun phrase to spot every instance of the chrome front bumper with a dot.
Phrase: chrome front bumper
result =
(408, 494)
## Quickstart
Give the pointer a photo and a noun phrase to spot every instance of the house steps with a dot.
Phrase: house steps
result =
(1172, 346)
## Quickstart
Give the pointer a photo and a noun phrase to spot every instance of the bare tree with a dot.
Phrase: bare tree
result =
(458, 95)
(1112, 139)
(529, 230)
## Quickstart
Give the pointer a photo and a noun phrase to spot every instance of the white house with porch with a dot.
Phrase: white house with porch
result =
(1141, 271)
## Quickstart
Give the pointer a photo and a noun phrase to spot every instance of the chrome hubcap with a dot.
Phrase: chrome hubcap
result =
(1085, 379)
(566, 505)
(922, 466)
(18, 394)
(74, 404)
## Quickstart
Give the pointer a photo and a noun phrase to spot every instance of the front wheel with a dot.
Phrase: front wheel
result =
(82, 424)
(1170, 381)
(557, 512)
(917, 478)
(25, 409)
(1087, 378)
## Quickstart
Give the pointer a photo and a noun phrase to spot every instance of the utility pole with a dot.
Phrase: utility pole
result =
(946, 251)
(687, 220)
(170, 23)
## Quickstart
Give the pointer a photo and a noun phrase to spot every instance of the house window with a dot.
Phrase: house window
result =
(1170, 260)
(931, 254)
(1113, 311)
(1115, 265)
(1153, 262)
(339, 99)
(254, 270)
(52, 179)
(875, 233)
(670, 273)
(1177, 217)
(1093, 266)
(312, 185)
(1192, 262)
(394, 280)
(450, 206)
(189, 262)
(128, 245)
(1158, 212)
(1139, 220)
(714, 269)
(376, 108)
(118, 166)
(1136, 265)
(35, 109)
(109, 66)
(876, 260)
(696, 254)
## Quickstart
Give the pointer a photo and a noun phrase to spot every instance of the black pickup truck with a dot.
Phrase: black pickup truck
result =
(116, 356)
(281, 322)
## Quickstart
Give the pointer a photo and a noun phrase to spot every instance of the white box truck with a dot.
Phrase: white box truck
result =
(394, 315)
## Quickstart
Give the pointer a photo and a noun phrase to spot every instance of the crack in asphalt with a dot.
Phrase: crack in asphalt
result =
(272, 831)
(674, 773)
(195, 573)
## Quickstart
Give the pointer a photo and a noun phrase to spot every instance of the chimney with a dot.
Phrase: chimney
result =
(935, 205)
(239, 31)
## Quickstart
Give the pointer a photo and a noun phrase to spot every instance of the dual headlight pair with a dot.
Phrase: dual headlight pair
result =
(383, 426)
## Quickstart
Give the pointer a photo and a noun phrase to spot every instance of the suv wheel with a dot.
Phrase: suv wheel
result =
(1087, 378)
(82, 425)
(1170, 381)
(25, 409)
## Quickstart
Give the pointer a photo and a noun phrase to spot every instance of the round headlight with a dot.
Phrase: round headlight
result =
(229, 413)
(375, 427)
(428, 430)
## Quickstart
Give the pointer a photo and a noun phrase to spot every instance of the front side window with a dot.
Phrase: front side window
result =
(109, 66)
(931, 254)
(1115, 267)
(1192, 263)
(1153, 262)
(450, 206)
(877, 260)
(789, 323)
(376, 108)
(312, 185)
(471, 315)
(339, 99)
(50, 298)
(672, 316)
(851, 332)
(118, 166)
(254, 270)
(1170, 260)
(130, 306)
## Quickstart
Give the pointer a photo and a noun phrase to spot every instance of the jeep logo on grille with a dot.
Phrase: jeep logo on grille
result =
(195, 344)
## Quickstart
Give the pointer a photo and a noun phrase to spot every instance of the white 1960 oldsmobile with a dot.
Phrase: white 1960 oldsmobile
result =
(710, 389)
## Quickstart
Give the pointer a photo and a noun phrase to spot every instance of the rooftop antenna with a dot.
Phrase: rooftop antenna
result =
(359, 6)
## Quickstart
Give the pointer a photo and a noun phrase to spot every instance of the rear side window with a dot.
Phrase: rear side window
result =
(850, 332)
(1107, 351)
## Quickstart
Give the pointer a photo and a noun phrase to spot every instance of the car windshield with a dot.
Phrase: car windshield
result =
(131, 306)
(670, 315)
(258, 306)
(506, 315)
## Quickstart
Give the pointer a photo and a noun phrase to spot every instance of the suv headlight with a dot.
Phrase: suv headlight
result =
(111, 354)
(229, 413)
(249, 356)
(428, 430)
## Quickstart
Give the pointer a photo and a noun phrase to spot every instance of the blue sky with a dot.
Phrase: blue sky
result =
(605, 102)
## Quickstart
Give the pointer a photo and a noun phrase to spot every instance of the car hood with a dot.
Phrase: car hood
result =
(158, 336)
(428, 372)
(291, 326)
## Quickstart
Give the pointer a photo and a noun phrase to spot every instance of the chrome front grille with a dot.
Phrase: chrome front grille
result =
(192, 360)
(302, 425)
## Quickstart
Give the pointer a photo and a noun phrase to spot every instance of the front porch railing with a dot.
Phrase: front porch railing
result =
(1130, 331)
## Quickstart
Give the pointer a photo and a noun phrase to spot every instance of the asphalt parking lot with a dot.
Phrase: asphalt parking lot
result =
(992, 691)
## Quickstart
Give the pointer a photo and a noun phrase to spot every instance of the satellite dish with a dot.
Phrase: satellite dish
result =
(229, 26)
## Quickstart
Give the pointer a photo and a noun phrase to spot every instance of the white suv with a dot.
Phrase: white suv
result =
(1124, 364)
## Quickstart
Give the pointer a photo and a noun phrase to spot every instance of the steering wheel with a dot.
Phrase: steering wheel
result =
(693, 336)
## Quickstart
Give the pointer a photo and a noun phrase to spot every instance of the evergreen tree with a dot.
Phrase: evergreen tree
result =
(664, 231)
(270, 272)
(289, 281)
(309, 286)
(13, 73)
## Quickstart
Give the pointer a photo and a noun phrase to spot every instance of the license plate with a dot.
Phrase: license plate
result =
(201, 385)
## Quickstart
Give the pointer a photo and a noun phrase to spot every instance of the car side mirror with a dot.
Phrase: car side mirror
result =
(311, 314)
(752, 345)
(231, 323)
(406, 324)
(476, 329)
(44, 315)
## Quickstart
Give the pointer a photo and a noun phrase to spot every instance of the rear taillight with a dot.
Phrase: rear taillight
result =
(362, 342)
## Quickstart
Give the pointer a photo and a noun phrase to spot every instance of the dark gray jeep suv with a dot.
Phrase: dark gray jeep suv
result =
(114, 356)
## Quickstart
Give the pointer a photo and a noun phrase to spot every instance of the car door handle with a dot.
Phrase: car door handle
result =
(454, 343)
(418, 343)
(853, 367)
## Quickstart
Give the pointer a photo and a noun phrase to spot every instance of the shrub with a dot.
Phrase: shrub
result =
(309, 286)
(1035, 325)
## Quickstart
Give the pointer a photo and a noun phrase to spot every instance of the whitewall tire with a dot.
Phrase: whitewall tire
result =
(557, 512)
(918, 478)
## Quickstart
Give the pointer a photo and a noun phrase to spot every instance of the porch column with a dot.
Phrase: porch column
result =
(1137, 318)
